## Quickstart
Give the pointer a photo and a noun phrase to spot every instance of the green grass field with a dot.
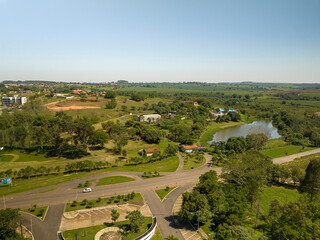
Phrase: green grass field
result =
(279, 148)
(164, 192)
(281, 194)
(88, 233)
(190, 162)
(105, 202)
(166, 165)
(6, 158)
(39, 212)
(304, 161)
(113, 180)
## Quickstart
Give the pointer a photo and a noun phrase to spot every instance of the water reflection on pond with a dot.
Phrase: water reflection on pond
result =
(263, 126)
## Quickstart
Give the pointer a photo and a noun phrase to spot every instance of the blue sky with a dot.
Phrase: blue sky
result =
(160, 40)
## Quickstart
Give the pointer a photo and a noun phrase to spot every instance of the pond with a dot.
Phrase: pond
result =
(263, 126)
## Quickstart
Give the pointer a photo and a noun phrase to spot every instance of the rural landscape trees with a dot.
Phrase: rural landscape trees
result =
(111, 133)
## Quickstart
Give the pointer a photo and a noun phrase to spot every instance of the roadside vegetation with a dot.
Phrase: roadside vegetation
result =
(130, 229)
(147, 175)
(162, 193)
(113, 180)
(193, 160)
(279, 148)
(135, 198)
(9, 223)
(255, 197)
(39, 212)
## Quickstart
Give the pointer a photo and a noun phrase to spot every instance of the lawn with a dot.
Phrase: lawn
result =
(113, 180)
(166, 165)
(5, 158)
(39, 212)
(88, 233)
(190, 161)
(21, 185)
(157, 235)
(164, 192)
(281, 194)
(279, 148)
(120, 199)
(16, 159)
(134, 147)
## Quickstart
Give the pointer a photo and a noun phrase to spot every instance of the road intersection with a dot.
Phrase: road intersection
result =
(65, 193)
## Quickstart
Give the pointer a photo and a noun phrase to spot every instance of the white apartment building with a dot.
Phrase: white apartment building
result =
(8, 101)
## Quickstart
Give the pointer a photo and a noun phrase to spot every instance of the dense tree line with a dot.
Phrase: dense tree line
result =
(27, 172)
(235, 145)
(232, 205)
(299, 129)
(9, 222)
(57, 135)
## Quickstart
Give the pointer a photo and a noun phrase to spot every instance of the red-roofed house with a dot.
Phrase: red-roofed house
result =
(149, 151)
(189, 148)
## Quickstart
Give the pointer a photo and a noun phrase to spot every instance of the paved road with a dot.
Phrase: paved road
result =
(163, 210)
(179, 169)
(290, 158)
(48, 228)
(65, 193)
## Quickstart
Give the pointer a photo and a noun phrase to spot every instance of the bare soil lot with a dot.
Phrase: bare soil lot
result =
(57, 107)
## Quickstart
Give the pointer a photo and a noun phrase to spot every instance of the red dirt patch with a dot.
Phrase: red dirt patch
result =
(55, 107)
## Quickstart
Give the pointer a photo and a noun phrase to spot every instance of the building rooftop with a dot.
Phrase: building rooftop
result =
(189, 146)
(151, 150)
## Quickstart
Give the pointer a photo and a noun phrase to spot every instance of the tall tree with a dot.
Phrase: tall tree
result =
(311, 181)
(114, 215)
(9, 221)
(136, 220)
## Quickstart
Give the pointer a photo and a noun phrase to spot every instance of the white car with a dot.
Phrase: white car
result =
(86, 190)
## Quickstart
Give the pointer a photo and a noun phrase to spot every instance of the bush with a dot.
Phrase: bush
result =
(89, 205)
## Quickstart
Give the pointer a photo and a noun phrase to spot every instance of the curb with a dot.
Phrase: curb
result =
(32, 237)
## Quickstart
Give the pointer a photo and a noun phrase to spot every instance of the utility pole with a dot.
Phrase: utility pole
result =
(31, 224)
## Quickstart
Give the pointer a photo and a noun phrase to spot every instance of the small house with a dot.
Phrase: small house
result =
(150, 118)
(189, 148)
(149, 151)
